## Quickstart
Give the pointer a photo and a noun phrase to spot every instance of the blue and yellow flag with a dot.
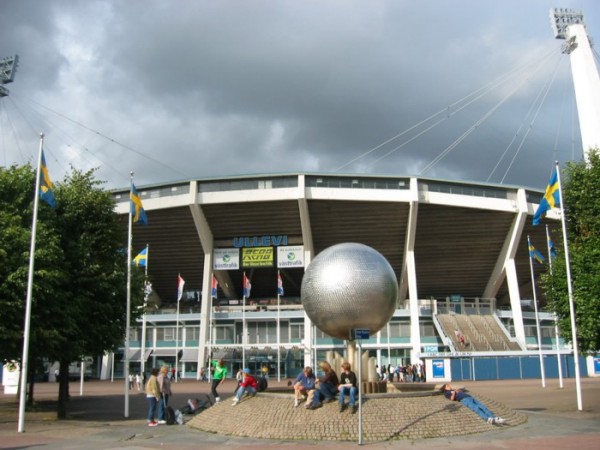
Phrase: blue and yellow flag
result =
(137, 210)
(141, 259)
(46, 187)
(536, 254)
(550, 200)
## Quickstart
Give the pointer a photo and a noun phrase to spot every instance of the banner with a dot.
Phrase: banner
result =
(226, 259)
(290, 256)
(10, 377)
(258, 257)
(438, 368)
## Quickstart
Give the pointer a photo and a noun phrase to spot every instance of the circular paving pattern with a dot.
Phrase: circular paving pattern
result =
(273, 416)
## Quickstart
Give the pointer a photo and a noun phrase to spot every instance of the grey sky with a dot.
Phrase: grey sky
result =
(184, 89)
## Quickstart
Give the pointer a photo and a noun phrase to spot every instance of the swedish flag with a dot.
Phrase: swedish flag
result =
(141, 259)
(137, 210)
(534, 253)
(550, 200)
(46, 187)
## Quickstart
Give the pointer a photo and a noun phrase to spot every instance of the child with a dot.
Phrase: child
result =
(248, 384)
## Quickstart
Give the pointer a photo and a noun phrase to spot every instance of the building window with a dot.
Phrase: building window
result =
(224, 334)
(166, 334)
(296, 332)
(192, 333)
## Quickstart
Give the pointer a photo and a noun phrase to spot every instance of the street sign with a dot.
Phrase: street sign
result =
(360, 333)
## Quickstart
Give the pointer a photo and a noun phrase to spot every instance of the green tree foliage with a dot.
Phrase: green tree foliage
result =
(16, 216)
(79, 295)
(581, 198)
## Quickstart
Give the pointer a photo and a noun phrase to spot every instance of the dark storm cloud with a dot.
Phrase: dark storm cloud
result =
(199, 89)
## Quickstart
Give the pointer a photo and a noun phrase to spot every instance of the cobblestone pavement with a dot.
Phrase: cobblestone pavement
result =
(537, 418)
(274, 417)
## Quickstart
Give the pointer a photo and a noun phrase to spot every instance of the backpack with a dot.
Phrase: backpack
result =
(262, 384)
(178, 417)
(170, 415)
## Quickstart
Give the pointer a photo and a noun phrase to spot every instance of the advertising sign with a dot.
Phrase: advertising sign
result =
(290, 256)
(597, 365)
(10, 377)
(437, 366)
(258, 257)
(226, 259)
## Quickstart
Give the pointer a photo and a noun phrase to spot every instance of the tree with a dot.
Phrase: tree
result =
(79, 306)
(16, 215)
(581, 198)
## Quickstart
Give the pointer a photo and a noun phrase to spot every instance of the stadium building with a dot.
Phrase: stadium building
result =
(459, 251)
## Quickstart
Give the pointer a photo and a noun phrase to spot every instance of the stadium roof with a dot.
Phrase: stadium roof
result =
(461, 234)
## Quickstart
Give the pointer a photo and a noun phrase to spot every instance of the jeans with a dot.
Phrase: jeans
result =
(213, 387)
(241, 390)
(162, 405)
(351, 391)
(326, 391)
(152, 408)
(475, 406)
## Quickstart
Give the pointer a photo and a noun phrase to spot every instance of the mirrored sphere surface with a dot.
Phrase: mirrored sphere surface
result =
(349, 286)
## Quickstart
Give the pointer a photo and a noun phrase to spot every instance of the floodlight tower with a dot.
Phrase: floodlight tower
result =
(8, 67)
(568, 24)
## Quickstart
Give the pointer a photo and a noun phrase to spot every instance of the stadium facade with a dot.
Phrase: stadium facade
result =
(459, 251)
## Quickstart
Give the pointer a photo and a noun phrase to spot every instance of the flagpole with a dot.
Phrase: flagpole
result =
(556, 334)
(244, 320)
(570, 289)
(278, 329)
(180, 284)
(146, 297)
(128, 314)
(177, 342)
(28, 301)
(537, 317)
(210, 343)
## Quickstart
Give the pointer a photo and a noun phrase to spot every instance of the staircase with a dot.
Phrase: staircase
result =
(482, 333)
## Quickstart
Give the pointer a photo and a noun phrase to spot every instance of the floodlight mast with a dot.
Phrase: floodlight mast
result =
(568, 24)
(8, 67)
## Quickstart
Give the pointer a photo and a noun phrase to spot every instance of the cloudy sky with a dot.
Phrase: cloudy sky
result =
(173, 90)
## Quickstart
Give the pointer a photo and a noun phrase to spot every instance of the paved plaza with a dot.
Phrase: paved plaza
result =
(537, 418)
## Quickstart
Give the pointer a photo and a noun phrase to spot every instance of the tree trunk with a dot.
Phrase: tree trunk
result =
(63, 390)
(30, 390)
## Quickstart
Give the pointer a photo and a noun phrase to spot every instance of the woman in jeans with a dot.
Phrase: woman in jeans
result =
(153, 395)
(328, 386)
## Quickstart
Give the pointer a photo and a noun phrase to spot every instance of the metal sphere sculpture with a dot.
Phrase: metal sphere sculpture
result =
(349, 286)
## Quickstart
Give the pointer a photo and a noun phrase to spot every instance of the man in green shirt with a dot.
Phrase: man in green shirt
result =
(218, 377)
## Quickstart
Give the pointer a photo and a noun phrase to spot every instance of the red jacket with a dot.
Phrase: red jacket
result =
(249, 380)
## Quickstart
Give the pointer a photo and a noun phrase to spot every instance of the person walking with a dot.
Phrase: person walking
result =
(219, 375)
(153, 396)
(164, 384)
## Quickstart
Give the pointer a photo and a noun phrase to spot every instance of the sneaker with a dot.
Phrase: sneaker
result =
(343, 407)
(499, 420)
(235, 402)
(354, 409)
(217, 400)
(162, 422)
(295, 403)
(152, 423)
(490, 420)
